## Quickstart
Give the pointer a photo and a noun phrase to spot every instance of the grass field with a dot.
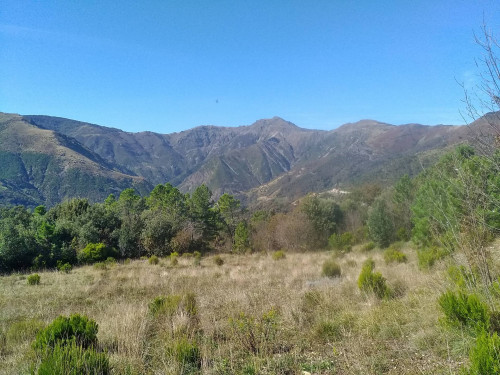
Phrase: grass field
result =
(251, 315)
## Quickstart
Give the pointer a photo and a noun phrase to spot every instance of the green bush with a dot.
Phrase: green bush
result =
(373, 282)
(327, 330)
(392, 254)
(77, 328)
(466, 310)
(74, 360)
(460, 276)
(95, 252)
(428, 256)
(218, 260)
(368, 246)
(187, 354)
(100, 266)
(64, 267)
(342, 242)
(153, 259)
(485, 355)
(34, 279)
(279, 254)
(167, 305)
(174, 258)
(331, 269)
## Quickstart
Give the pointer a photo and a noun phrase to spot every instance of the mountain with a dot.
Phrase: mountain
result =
(43, 166)
(48, 158)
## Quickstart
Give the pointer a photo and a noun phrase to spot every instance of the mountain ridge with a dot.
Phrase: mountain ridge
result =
(273, 154)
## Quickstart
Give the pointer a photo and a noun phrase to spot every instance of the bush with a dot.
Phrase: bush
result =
(66, 267)
(394, 255)
(373, 282)
(218, 260)
(165, 305)
(342, 242)
(100, 266)
(466, 310)
(460, 276)
(76, 329)
(34, 279)
(187, 355)
(331, 269)
(428, 256)
(74, 360)
(174, 258)
(485, 355)
(279, 254)
(327, 330)
(153, 259)
(95, 252)
(368, 246)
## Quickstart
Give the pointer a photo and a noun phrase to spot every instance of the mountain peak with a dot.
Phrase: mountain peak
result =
(274, 123)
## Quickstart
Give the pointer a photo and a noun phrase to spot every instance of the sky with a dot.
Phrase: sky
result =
(171, 65)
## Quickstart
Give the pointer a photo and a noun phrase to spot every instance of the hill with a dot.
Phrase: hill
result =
(270, 158)
(44, 166)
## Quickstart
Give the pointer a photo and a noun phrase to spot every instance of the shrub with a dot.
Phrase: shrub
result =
(95, 252)
(174, 258)
(110, 260)
(34, 279)
(485, 355)
(327, 330)
(189, 304)
(373, 282)
(218, 260)
(428, 256)
(368, 246)
(187, 355)
(153, 259)
(66, 267)
(74, 360)
(100, 266)
(342, 242)
(76, 329)
(463, 309)
(394, 255)
(279, 254)
(331, 269)
(165, 305)
(256, 335)
(460, 276)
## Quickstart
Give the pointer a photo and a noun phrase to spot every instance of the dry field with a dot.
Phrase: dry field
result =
(253, 315)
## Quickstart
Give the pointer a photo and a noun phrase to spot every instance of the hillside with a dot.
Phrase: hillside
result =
(270, 158)
(43, 166)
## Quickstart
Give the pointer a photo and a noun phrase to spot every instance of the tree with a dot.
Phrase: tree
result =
(241, 238)
(202, 214)
(325, 216)
(230, 212)
(380, 224)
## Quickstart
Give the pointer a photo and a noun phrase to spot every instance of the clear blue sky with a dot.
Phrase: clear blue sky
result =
(171, 65)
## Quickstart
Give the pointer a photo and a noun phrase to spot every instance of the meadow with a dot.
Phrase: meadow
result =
(252, 314)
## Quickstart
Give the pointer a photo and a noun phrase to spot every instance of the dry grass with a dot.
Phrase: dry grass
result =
(298, 319)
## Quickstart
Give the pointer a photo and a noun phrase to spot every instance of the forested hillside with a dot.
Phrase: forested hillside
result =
(269, 159)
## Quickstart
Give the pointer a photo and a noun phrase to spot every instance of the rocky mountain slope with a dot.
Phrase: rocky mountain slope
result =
(270, 158)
